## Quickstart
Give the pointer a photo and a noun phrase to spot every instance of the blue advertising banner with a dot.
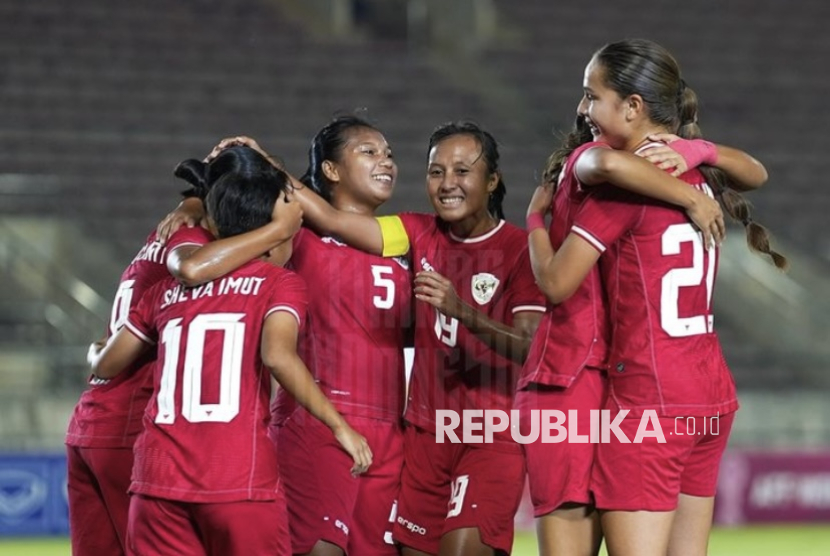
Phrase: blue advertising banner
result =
(33, 495)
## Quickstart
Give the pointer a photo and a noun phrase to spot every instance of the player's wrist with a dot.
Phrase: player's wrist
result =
(696, 151)
(535, 221)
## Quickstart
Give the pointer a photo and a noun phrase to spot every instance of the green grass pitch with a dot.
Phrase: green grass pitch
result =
(745, 541)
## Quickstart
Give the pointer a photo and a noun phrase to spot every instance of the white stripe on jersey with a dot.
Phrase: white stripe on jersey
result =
(138, 333)
(520, 308)
(285, 308)
(587, 236)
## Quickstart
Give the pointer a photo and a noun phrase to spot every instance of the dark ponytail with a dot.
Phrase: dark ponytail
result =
(736, 205)
(490, 152)
(193, 172)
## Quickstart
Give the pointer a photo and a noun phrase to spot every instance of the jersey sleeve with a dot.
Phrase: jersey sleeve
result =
(395, 238)
(525, 295)
(291, 296)
(141, 318)
(574, 156)
(196, 236)
(606, 215)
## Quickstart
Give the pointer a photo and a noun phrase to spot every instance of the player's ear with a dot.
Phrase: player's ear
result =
(330, 171)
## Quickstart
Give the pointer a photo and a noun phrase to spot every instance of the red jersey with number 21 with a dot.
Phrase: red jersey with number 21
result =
(660, 278)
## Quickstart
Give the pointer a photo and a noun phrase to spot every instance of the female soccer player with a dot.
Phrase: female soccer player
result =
(108, 417)
(657, 274)
(477, 309)
(353, 346)
(205, 479)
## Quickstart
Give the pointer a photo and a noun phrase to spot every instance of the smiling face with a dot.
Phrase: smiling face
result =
(604, 111)
(459, 184)
(365, 172)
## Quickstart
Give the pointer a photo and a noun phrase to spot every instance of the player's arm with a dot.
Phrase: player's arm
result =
(358, 230)
(279, 354)
(678, 155)
(559, 273)
(196, 264)
(121, 351)
(628, 171)
(512, 342)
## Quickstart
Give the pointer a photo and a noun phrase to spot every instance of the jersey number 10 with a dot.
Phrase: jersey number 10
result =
(230, 373)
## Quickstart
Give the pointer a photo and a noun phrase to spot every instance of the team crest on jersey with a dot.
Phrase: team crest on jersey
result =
(484, 286)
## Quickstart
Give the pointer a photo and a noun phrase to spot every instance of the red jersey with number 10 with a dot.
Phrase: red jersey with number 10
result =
(660, 277)
(205, 437)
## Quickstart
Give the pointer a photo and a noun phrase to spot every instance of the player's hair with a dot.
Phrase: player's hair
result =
(642, 67)
(241, 185)
(579, 135)
(489, 150)
(328, 144)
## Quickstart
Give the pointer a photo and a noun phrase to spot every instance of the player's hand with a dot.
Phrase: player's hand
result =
(95, 349)
(707, 215)
(357, 447)
(663, 156)
(439, 292)
(189, 213)
(541, 200)
(288, 214)
(244, 141)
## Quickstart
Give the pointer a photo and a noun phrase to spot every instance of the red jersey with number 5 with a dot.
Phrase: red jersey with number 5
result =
(660, 277)
(353, 342)
(205, 437)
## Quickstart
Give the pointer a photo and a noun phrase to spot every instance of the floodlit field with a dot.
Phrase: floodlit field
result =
(756, 541)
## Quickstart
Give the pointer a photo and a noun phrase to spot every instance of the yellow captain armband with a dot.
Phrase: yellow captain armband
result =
(395, 240)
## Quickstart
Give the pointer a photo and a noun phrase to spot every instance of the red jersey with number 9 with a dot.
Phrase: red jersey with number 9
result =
(205, 437)
(454, 369)
(660, 278)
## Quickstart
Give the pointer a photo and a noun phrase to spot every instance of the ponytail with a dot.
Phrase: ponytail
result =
(735, 204)
(193, 172)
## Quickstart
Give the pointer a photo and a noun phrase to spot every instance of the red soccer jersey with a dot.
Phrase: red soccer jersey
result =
(664, 354)
(205, 430)
(453, 369)
(353, 342)
(109, 413)
(575, 333)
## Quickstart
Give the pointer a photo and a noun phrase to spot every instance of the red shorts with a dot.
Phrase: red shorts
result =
(448, 486)
(97, 484)
(561, 472)
(324, 501)
(649, 476)
(161, 527)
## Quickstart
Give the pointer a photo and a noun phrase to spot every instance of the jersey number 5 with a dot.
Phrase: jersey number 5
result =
(383, 279)
(230, 372)
(675, 325)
